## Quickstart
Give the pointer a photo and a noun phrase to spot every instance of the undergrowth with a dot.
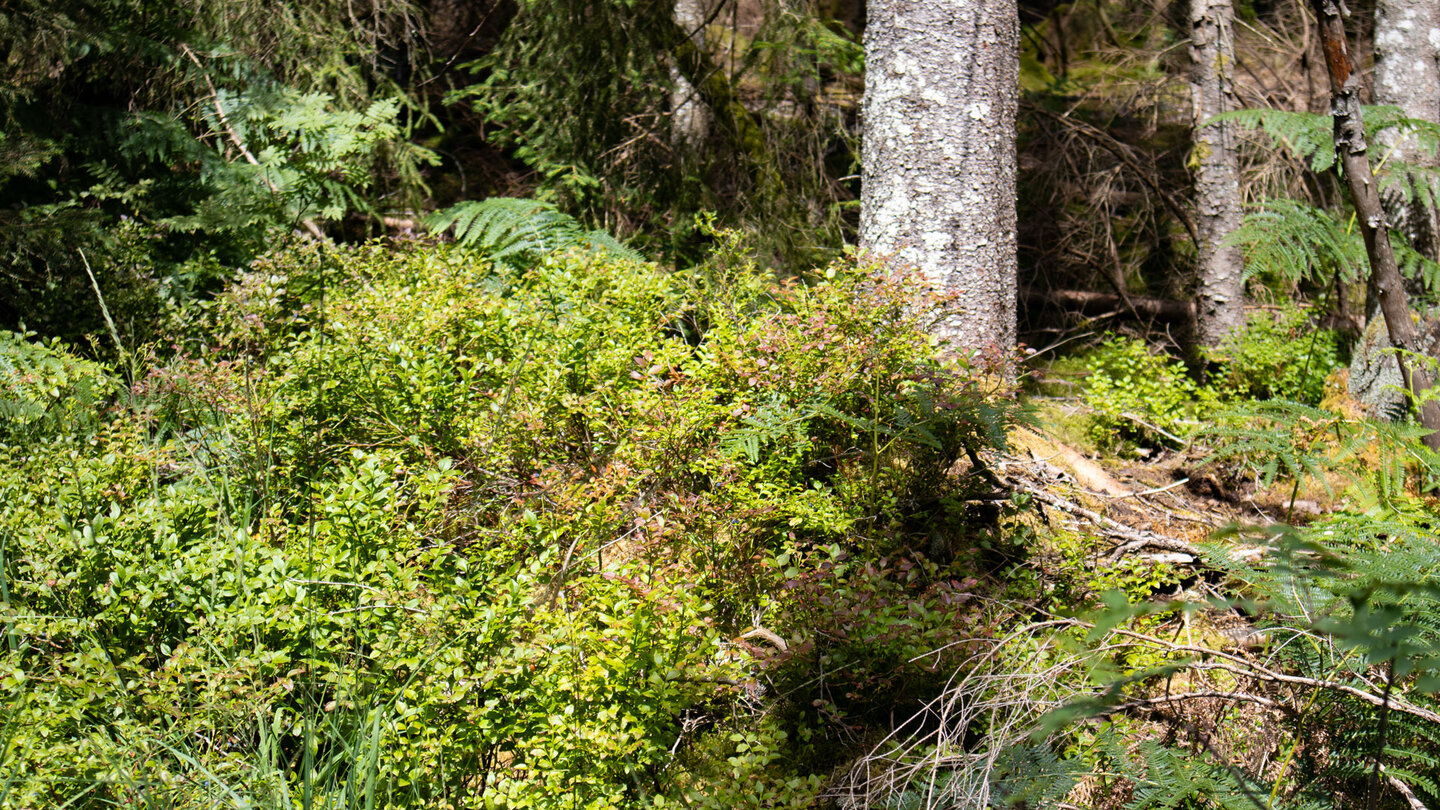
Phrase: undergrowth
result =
(1141, 396)
(402, 526)
(399, 527)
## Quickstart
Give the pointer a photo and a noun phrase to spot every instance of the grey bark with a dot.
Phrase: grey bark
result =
(1375, 378)
(1219, 209)
(690, 119)
(938, 160)
(1407, 75)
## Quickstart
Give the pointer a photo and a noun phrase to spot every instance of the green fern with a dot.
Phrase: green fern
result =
(1410, 755)
(1293, 240)
(774, 422)
(1282, 439)
(44, 389)
(1272, 438)
(1167, 778)
(517, 232)
(1354, 599)
(311, 159)
(1032, 776)
(1310, 136)
(1414, 264)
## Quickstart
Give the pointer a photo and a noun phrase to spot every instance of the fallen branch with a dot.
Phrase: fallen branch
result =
(1152, 491)
(1244, 697)
(1235, 665)
(401, 223)
(1091, 303)
(1167, 434)
(1134, 538)
(770, 636)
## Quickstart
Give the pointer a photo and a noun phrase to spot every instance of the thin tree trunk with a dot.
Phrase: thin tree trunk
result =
(689, 116)
(938, 164)
(712, 83)
(1407, 75)
(1217, 177)
(1351, 147)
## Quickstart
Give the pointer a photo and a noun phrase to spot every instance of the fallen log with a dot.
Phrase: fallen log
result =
(1094, 303)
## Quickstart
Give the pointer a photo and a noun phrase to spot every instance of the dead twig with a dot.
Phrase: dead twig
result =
(1108, 142)
(1236, 665)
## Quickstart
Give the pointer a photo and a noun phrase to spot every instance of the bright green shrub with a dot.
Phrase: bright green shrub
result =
(1137, 395)
(1278, 354)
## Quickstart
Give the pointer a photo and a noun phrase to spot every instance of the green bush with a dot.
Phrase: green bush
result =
(1278, 354)
(1139, 396)
(397, 527)
(143, 140)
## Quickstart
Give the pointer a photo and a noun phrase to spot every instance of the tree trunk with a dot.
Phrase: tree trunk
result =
(938, 164)
(1351, 147)
(1407, 75)
(1217, 176)
(689, 117)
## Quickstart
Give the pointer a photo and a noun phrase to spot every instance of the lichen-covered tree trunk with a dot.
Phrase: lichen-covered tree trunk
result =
(689, 117)
(1218, 204)
(1407, 75)
(938, 163)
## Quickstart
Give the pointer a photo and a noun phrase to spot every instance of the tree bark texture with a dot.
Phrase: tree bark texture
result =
(1407, 75)
(689, 116)
(1351, 148)
(1219, 209)
(938, 163)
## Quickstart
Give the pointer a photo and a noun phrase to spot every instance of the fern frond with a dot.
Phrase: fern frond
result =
(43, 388)
(1414, 264)
(1032, 776)
(516, 231)
(1276, 438)
(1383, 117)
(1167, 778)
(1272, 438)
(1294, 240)
(773, 422)
(1308, 136)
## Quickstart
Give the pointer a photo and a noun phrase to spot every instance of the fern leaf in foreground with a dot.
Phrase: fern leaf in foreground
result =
(517, 232)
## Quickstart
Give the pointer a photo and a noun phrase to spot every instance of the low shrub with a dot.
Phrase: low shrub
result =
(1138, 395)
(1278, 354)
(398, 527)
